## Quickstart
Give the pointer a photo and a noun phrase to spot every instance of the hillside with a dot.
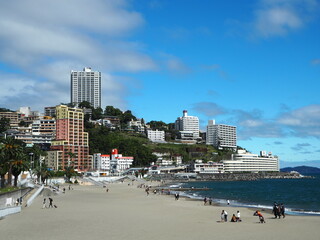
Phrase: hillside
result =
(302, 169)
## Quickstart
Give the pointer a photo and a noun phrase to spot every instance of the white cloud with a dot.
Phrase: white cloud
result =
(303, 122)
(253, 124)
(279, 17)
(46, 39)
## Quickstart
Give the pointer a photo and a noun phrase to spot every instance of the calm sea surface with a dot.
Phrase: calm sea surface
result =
(300, 196)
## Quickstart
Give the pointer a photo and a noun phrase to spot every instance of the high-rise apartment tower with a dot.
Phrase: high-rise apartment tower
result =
(221, 135)
(188, 124)
(71, 139)
(86, 86)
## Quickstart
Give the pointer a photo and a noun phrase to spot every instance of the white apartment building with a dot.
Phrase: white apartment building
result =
(101, 162)
(247, 162)
(221, 135)
(119, 163)
(44, 126)
(38, 132)
(136, 125)
(86, 86)
(156, 135)
(209, 167)
(189, 125)
(167, 159)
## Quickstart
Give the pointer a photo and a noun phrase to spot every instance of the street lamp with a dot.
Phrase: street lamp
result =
(41, 158)
(31, 165)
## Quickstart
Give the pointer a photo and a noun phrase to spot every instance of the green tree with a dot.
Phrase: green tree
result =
(11, 151)
(34, 153)
(4, 167)
(97, 113)
(85, 104)
(23, 124)
(4, 124)
(111, 111)
(158, 125)
(18, 167)
(42, 172)
(5, 110)
(69, 173)
(127, 117)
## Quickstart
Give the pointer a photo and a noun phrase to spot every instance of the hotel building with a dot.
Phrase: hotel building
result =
(71, 138)
(221, 135)
(247, 162)
(119, 163)
(86, 86)
(188, 126)
(116, 163)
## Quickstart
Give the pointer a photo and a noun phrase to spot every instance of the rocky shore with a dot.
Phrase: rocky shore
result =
(229, 176)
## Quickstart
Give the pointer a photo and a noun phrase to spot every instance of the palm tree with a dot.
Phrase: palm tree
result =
(69, 172)
(11, 151)
(4, 167)
(42, 171)
(71, 156)
(18, 167)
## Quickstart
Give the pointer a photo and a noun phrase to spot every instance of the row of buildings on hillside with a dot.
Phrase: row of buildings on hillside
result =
(60, 130)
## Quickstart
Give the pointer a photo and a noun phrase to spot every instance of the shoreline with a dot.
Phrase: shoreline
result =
(218, 202)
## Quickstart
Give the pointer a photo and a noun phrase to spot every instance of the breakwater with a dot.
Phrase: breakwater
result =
(227, 176)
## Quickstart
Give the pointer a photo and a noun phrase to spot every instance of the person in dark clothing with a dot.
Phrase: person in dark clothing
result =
(275, 210)
(50, 202)
(282, 210)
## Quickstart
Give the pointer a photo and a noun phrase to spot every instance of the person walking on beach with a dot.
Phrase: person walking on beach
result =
(210, 201)
(275, 210)
(44, 203)
(205, 201)
(50, 202)
(177, 196)
(228, 202)
(282, 210)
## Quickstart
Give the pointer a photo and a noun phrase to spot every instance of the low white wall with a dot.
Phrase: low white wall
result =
(10, 210)
(30, 200)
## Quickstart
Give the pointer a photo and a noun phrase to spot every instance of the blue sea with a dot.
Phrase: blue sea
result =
(300, 196)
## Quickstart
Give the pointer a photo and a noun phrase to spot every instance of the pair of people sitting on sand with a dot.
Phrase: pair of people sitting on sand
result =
(235, 218)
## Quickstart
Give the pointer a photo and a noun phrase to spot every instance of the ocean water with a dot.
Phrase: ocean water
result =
(300, 196)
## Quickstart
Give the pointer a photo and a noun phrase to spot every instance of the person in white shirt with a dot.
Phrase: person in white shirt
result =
(225, 216)
(238, 216)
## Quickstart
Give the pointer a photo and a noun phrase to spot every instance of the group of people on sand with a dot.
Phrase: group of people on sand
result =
(207, 200)
(278, 210)
(44, 203)
(234, 218)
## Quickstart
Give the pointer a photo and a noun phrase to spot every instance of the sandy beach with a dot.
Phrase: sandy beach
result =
(126, 212)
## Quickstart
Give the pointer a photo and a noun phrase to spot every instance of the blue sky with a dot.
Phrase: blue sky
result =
(252, 64)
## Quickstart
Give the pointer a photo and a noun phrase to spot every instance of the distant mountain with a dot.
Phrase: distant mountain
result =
(301, 169)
